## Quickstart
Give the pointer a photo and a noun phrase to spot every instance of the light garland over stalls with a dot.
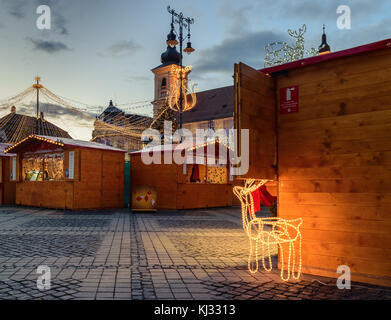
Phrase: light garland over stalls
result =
(280, 233)
(57, 143)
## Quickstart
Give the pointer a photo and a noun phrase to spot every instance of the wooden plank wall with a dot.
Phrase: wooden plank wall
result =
(255, 110)
(112, 180)
(196, 195)
(101, 179)
(161, 176)
(335, 165)
(47, 194)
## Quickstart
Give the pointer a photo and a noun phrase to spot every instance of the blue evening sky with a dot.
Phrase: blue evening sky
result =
(99, 50)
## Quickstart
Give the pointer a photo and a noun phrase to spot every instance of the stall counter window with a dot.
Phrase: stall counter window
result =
(211, 174)
(43, 167)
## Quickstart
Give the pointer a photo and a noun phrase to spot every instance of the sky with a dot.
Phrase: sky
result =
(97, 50)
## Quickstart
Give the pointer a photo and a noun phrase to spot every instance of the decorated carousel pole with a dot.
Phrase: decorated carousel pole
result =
(37, 86)
(171, 41)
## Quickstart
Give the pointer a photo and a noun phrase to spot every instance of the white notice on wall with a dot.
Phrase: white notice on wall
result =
(71, 164)
(13, 173)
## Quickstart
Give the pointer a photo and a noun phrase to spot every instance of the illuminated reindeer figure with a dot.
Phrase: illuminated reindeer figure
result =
(266, 233)
(281, 52)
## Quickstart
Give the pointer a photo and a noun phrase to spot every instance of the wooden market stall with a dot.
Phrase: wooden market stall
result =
(64, 173)
(7, 182)
(321, 128)
(188, 186)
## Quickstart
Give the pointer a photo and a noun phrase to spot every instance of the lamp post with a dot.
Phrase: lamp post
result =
(171, 41)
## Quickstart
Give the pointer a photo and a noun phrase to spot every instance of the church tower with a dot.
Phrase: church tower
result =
(324, 48)
(165, 76)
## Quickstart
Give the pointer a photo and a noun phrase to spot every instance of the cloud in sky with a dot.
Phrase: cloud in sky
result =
(48, 46)
(248, 47)
(237, 17)
(55, 111)
(312, 10)
(246, 44)
(19, 8)
(15, 8)
(121, 49)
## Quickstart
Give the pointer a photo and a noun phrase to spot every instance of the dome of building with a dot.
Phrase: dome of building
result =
(170, 56)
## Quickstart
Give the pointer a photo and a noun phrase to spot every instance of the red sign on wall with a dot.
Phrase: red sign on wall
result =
(289, 99)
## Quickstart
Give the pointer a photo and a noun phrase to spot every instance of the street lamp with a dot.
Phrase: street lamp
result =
(171, 41)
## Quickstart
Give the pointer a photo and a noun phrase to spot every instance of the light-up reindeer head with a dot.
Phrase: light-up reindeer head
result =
(246, 200)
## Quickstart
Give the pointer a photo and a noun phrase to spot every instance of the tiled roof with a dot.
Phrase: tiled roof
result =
(113, 115)
(15, 127)
(211, 104)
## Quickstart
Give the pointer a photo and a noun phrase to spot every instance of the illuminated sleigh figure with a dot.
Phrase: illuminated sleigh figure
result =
(281, 231)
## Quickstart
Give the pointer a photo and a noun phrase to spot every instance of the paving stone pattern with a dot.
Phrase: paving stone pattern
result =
(195, 254)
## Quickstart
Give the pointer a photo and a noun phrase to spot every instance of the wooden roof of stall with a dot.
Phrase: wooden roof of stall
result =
(61, 142)
(189, 146)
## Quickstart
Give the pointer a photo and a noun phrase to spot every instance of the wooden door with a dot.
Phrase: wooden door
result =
(255, 109)
(112, 180)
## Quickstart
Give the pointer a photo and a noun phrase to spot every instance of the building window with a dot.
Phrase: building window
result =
(164, 83)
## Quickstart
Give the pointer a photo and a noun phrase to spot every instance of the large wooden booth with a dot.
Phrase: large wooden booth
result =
(321, 128)
(7, 183)
(184, 186)
(63, 173)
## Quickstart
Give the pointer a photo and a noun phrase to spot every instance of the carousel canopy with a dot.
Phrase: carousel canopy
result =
(15, 127)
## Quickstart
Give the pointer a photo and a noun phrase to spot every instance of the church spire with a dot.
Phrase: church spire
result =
(324, 47)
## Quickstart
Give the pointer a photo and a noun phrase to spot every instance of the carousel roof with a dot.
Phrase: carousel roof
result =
(15, 127)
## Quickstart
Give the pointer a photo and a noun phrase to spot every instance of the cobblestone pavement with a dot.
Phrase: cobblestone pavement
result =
(197, 254)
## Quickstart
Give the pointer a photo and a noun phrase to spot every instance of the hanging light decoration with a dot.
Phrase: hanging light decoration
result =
(189, 49)
(188, 90)
(171, 37)
(281, 52)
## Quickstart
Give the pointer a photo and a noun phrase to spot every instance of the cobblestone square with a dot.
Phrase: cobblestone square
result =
(195, 254)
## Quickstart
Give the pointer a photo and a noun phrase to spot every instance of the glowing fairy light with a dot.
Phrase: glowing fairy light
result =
(32, 136)
(281, 52)
(281, 231)
(188, 90)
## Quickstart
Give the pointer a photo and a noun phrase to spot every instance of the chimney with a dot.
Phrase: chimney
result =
(13, 109)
